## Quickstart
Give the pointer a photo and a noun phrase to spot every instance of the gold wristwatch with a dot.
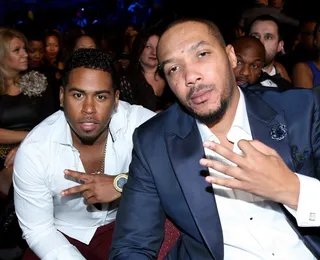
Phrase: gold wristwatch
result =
(119, 181)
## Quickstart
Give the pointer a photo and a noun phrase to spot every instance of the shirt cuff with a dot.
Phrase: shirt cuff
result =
(308, 211)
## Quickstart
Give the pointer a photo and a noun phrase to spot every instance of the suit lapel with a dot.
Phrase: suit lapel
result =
(185, 149)
(264, 121)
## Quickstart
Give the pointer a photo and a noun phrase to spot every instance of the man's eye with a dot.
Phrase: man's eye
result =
(101, 97)
(204, 53)
(78, 95)
(173, 69)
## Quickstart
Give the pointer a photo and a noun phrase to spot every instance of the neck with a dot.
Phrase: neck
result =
(149, 70)
(82, 145)
(11, 88)
(51, 59)
(268, 68)
(222, 127)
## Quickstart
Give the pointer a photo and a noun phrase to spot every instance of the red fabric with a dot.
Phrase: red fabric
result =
(97, 249)
(170, 237)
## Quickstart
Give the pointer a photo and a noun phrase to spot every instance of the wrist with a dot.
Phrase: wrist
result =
(291, 195)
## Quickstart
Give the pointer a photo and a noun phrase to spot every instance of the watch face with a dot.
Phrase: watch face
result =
(121, 182)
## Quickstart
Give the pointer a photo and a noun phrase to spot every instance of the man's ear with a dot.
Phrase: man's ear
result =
(231, 55)
(280, 46)
(61, 96)
(116, 99)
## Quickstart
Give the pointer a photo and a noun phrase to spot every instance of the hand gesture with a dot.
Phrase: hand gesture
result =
(260, 171)
(96, 188)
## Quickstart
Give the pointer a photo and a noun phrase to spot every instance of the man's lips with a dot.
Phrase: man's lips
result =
(241, 81)
(200, 96)
(88, 125)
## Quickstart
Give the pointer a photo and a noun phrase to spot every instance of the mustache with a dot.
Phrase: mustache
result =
(198, 88)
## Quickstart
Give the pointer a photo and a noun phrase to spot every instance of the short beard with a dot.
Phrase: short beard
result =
(90, 140)
(214, 116)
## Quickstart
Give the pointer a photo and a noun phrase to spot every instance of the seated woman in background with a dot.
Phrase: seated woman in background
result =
(24, 101)
(36, 51)
(141, 83)
(307, 74)
(53, 52)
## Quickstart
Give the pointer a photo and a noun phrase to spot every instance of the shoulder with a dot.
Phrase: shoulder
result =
(301, 66)
(134, 113)
(161, 123)
(45, 131)
(293, 99)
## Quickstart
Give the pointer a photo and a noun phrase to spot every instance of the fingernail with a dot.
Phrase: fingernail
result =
(208, 144)
(62, 193)
(203, 161)
(210, 179)
(66, 171)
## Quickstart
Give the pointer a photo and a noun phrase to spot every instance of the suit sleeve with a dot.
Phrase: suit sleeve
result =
(139, 228)
(308, 211)
(315, 134)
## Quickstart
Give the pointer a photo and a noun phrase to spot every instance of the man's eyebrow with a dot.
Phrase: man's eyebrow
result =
(197, 45)
(192, 47)
(76, 89)
(96, 92)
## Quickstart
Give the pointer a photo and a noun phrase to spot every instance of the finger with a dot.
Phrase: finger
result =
(230, 170)
(78, 175)
(262, 148)
(9, 159)
(224, 152)
(75, 189)
(226, 182)
(87, 194)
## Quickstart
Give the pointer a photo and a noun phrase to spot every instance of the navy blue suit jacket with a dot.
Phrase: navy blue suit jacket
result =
(166, 179)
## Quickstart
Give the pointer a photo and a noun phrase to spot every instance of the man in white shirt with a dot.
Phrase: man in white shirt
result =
(91, 139)
(268, 30)
(237, 172)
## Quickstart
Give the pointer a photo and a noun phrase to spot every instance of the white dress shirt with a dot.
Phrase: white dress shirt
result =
(268, 82)
(253, 227)
(39, 178)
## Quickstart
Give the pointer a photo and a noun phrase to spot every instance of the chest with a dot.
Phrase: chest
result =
(93, 161)
(157, 84)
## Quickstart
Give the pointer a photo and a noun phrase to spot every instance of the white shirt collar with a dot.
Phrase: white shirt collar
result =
(240, 128)
(272, 72)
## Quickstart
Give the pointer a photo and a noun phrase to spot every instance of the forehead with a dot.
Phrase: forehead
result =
(89, 75)
(177, 39)
(264, 27)
(52, 38)
(36, 44)
(85, 39)
(15, 42)
(153, 39)
(250, 54)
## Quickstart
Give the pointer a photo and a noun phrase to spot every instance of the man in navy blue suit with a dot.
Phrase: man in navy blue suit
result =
(236, 171)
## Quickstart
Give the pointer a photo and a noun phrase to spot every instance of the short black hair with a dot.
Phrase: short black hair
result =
(90, 59)
(267, 17)
(212, 27)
